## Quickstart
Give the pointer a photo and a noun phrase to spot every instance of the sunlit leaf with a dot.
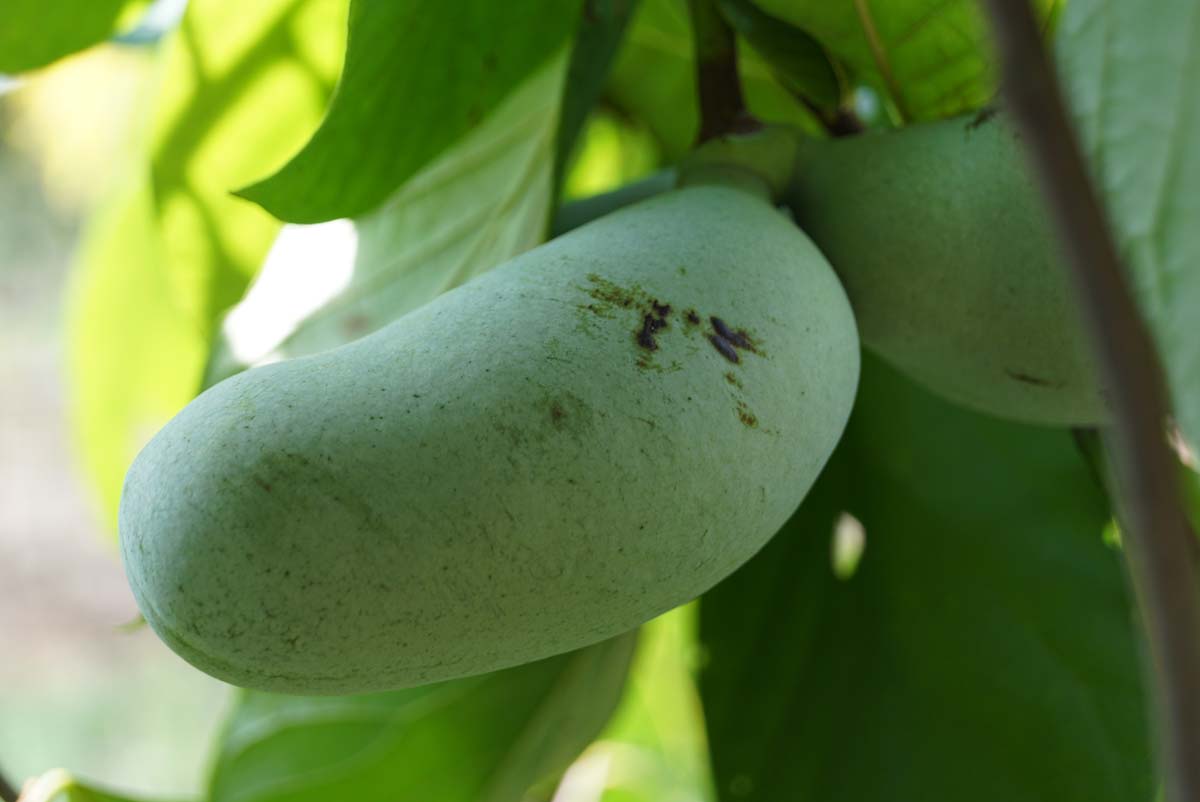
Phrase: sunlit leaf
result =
(653, 750)
(480, 739)
(131, 364)
(418, 77)
(34, 33)
(244, 85)
(929, 58)
(241, 87)
(654, 79)
(984, 648)
(478, 204)
(1131, 83)
(601, 28)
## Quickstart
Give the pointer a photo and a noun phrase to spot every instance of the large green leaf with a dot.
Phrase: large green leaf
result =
(34, 33)
(480, 203)
(654, 79)
(1130, 76)
(984, 649)
(241, 85)
(929, 58)
(480, 739)
(418, 76)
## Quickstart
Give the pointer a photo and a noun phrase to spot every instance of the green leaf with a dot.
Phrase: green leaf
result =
(601, 29)
(984, 649)
(241, 84)
(418, 77)
(653, 750)
(481, 739)
(930, 58)
(798, 60)
(244, 85)
(34, 33)
(1131, 84)
(480, 203)
(653, 79)
(131, 363)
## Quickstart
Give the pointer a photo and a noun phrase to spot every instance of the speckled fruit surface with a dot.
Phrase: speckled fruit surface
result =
(549, 455)
(939, 236)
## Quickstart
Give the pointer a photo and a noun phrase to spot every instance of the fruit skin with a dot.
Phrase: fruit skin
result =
(940, 240)
(535, 461)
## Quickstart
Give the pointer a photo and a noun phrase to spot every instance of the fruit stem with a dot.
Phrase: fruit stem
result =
(722, 108)
(1159, 545)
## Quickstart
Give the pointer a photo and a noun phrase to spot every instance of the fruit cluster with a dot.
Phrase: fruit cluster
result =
(600, 429)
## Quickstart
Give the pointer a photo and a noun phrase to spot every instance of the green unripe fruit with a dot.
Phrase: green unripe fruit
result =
(940, 239)
(551, 454)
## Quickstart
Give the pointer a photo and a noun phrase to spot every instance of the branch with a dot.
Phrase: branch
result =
(722, 109)
(1159, 544)
(7, 792)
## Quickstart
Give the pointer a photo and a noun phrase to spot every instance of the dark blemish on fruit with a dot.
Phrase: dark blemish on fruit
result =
(732, 379)
(738, 339)
(1026, 378)
(661, 310)
(557, 413)
(746, 416)
(682, 270)
(651, 325)
(727, 341)
(264, 485)
(691, 317)
(609, 293)
(724, 348)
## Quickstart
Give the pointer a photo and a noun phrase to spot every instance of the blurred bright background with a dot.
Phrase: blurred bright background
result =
(78, 686)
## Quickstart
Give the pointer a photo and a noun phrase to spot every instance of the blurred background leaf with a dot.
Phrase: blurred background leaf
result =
(240, 86)
(654, 750)
(58, 785)
(1137, 111)
(984, 648)
(476, 205)
(33, 33)
(417, 78)
(653, 79)
(480, 739)
(601, 28)
(929, 58)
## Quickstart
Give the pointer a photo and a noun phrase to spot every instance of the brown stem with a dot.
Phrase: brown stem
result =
(7, 792)
(1158, 541)
(722, 108)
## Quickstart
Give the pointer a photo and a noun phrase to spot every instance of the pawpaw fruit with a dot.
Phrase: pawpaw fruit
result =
(551, 454)
(938, 234)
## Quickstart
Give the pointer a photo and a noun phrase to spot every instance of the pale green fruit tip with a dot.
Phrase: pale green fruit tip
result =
(550, 455)
(761, 162)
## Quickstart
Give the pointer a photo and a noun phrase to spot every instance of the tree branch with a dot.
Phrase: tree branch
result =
(7, 792)
(722, 108)
(1159, 544)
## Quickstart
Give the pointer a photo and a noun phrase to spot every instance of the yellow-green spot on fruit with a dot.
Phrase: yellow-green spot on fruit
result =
(494, 478)
(939, 236)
